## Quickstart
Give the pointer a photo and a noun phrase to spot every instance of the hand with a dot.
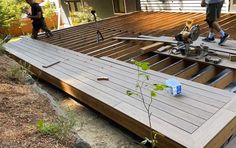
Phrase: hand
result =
(203, 3)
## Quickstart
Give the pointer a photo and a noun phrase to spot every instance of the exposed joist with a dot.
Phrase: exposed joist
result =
(153, 59)
(189, 71)
(223, 79)
(174, 68)
(161, 64)
(205, 75)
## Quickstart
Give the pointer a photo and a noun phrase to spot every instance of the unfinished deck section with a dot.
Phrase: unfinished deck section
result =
(202, 116)
(83, 39)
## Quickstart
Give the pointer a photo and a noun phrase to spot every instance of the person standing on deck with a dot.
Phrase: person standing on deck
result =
(213, 12)
(38, 20)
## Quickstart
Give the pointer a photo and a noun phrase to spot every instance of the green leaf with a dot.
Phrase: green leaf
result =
(160, 87)
(129, 93)
(145, 66)
(147, 77)
(153, 94)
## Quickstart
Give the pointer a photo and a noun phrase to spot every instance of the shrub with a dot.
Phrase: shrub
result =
(61, 128)
(142, 83)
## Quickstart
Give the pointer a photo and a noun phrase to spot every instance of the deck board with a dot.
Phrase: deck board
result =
(182, 119)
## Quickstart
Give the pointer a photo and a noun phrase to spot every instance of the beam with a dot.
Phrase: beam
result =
(223, 79)
(205, 75)
(174, 68)
(161, 64)
(189, 71)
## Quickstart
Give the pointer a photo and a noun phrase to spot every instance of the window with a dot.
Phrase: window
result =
(119, 6)
(74, 5)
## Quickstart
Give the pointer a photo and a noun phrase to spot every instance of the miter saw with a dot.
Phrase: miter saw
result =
(186, 37)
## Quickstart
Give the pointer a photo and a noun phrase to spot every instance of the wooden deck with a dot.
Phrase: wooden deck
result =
(202, 116)
(83, 39)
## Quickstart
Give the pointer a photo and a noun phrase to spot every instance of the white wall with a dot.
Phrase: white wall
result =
(176, 5)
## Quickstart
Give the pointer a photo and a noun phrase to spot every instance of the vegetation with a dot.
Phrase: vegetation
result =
(82, 16)
(61, 128)
(2, 50)
(49, 12)
(142, 84)
(11, 12)
(19, 73)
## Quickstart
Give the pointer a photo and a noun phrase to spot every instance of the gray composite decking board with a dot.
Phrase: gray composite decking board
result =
(128, 71)
(229, 46)
(173, 132)
(127, 86)
(161, 115)
(202, 89)
(191, 109)
(197, 98)
(76, 69)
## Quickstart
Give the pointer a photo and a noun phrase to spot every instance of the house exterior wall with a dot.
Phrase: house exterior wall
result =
(103, 8)
(176, 5)
(131, 5)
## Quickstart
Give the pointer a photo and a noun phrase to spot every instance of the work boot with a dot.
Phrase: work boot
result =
(48, 34)
(223, 39)
(207, 39)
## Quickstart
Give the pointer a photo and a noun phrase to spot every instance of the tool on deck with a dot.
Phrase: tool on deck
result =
(54, 63)
(99, 34)
(186, 37)
(102, 78)
(214, 60)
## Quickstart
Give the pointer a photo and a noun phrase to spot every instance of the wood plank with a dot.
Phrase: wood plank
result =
(89, 69)
(153, 59)
(188, 72)
(180, 136)
(161, 64)
(132, 66)
(129, 72)
(230, 47)
(200, 87)
(213, 126)
(78, 76)
(186, 102)
(223, 79)
(151, 47)
(205, 75)
(143, 56)
(174, 68)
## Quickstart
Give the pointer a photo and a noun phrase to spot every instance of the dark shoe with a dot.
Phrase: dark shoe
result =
(223, 39)
(207, 39)
(48, 34)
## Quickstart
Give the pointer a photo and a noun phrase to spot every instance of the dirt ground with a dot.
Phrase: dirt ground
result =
(21, 107)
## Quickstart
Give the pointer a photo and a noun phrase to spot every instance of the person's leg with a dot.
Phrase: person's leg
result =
(223, 36)
(35, 31)
(209, 14)
(44, 27)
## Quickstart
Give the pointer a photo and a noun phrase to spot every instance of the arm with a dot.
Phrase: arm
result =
(38, 16)
(203, 3)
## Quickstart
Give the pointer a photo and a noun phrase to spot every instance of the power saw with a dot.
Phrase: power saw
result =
(186, 37)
